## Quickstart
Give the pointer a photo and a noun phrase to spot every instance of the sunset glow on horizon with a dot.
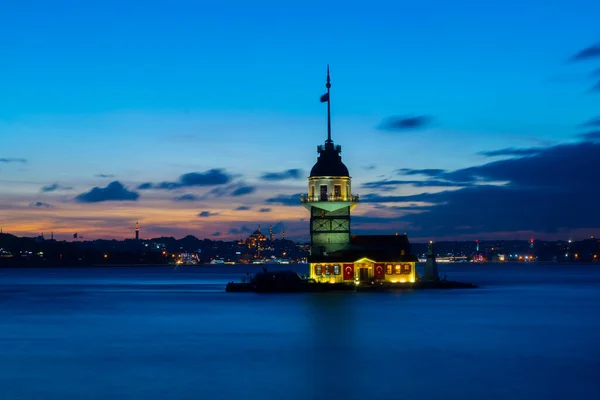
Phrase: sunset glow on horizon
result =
(199, 120)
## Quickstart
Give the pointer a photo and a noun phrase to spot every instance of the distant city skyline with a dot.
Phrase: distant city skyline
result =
(463, 121)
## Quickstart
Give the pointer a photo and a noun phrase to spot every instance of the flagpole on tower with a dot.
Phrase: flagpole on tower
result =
(328, 86)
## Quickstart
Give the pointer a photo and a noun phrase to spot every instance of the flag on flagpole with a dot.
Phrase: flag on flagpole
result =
(325, 98)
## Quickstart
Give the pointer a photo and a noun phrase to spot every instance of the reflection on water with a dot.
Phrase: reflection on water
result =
(530, 331)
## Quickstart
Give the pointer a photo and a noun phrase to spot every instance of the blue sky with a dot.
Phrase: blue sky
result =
(149, 91)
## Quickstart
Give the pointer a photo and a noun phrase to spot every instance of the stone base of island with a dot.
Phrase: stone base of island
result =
(398, 278)
(291, 282)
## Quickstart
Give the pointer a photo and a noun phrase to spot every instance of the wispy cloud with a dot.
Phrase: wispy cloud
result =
(39, 204)
(590, 136)
(55, 187)
(432, 172)
(587, 54)
(383, 184)
(242, 229)
(104, 176)
(511, 151)
(243, 190)
(6, 160)
(206, 214)
(286, 200)
(280, 176)
(211, 177)
(234, 190)
(592, 123)
(264, 210)
(187, 197)
(243, 208)
(405, 123)
(115, 191)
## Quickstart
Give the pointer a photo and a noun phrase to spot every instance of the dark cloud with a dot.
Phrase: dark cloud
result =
(104, 176)
(432, 172)
(264, 210)
(216, 234)
(592, 136)
(115, 191)
(385, 184)
(234, 190)
(243, 208)
(376, 198)
(511, 151)
(552, 165)
(39, 204)
(243, 190)
(206, 214)
(220, 191)
(187, 197)
(410, 207)
(285, 200)
(369, 167)
(280, 176)
(404, 123)
(54, 187)
(243, 229)
(587, 53)
(279, 227)
(550, 191)
(6, 160)
(211, 177)
(592, 123)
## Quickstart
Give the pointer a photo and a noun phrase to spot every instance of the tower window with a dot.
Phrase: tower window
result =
(337, 191)
(323, 193)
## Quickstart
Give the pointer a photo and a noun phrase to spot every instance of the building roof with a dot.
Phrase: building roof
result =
(383, 248)
(355, 255)
(382, 241)
(329, 162)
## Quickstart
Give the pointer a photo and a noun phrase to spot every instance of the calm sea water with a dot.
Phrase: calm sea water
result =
(529, 332)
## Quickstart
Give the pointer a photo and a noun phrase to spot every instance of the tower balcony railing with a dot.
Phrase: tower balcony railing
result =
(305, 198)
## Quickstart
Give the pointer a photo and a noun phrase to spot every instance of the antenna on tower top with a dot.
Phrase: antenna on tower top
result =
(326, 98)
(328, 86)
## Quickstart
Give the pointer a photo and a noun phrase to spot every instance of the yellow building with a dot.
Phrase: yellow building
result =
(368, 258)
(336, 255)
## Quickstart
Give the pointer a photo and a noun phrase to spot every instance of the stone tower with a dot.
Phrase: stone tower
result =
(329, 197)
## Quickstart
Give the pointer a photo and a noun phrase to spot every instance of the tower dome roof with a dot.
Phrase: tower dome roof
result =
(329, 162)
